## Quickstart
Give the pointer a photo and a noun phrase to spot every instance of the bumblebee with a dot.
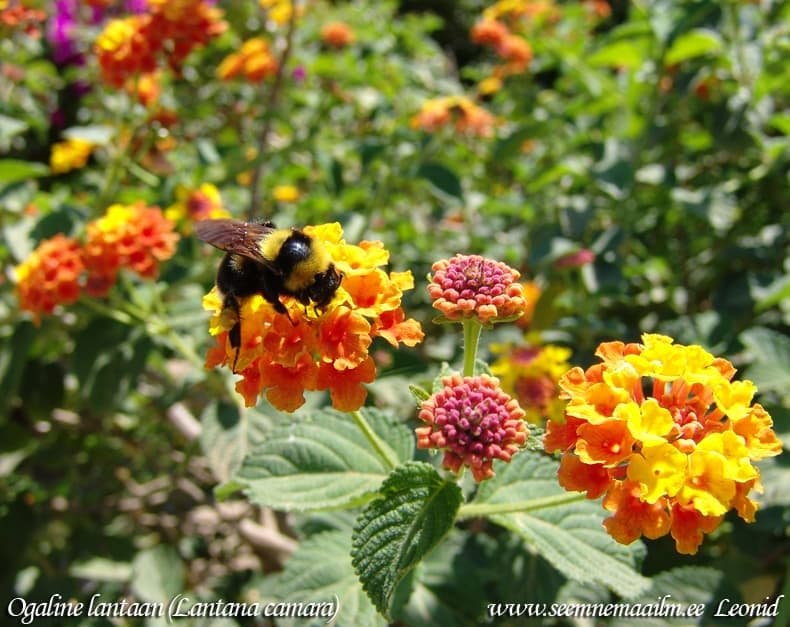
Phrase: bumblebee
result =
(262, 259)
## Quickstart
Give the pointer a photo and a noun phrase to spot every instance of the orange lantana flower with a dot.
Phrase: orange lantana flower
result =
(134, 236)
(465, 116)
(282, 356)
(531, 374)
(201, 203)
(50, 276)
(677, 459)
(254, 61)
(337, 34)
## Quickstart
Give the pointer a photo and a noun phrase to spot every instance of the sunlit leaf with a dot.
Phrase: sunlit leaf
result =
(415, 510)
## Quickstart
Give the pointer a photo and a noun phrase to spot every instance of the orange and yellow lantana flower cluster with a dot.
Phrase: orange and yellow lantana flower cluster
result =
(70, 154)
(135, 237)
(201, 203)
(133, 46)
(50, 276)
(254, 61)
(337, 34)
(665, 434)
(531, 373)
(466, 117)
(282, 356)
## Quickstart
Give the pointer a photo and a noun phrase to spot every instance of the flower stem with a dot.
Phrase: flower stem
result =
(475, 510)
(472, 329)
(384, 451)
(271, 106)
(102, 309)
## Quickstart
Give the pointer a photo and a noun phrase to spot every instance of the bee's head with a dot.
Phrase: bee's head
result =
(325, 285)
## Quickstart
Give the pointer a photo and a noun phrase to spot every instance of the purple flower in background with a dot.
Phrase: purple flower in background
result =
(136, 6)
(60, 32)
(299, 73)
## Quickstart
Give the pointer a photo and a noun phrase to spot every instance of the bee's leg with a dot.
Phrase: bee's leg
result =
(234, 335)
(280, 308)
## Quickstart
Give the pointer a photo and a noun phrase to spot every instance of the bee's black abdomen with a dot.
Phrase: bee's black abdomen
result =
(238, 276)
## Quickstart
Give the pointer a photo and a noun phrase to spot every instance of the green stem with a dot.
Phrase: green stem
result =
(472, 329)
(271, 107)
(386, 454)
(476, 510)
(175, 341)
(100, 308)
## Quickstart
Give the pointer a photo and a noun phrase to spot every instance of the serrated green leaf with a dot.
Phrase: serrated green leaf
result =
(322, 462)
(695, 43)
(393, 533)
(157, 574)
(321, 571)
(15, 170)
(442, 178)
(564, 528)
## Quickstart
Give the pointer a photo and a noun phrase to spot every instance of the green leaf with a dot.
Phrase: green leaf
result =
(42, 388)
(418, 393)
(9, 127)
(695, 43)
(679, 586)
(564, 528)
(228, 434)
(96, 134)
(321, 571)
(322, 462)
(157, 574)
(770, 350)
(393, 533)
(207, 151)
(336, 174)
(13, 358)
(15, 170)
(102, 569)
(107, 360)
(774, 294)
(442, 178)
(627, 53)
(450, 586)
(509, 146)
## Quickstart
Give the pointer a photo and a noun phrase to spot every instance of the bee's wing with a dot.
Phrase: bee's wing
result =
(235, 236)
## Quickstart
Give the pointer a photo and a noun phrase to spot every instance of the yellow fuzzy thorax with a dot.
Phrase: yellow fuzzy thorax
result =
(303, 273)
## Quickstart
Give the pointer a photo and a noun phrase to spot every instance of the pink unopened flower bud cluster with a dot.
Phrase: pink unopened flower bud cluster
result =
(471, 286)
(474, 421)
